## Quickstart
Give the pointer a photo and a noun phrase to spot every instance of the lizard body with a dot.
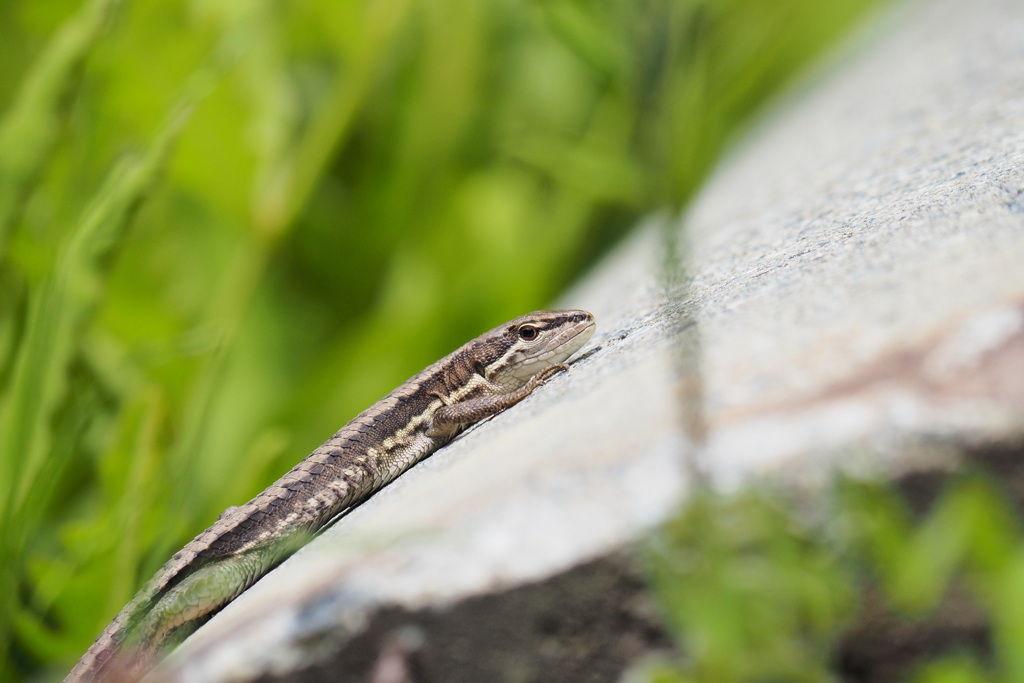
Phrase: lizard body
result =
(480, 379)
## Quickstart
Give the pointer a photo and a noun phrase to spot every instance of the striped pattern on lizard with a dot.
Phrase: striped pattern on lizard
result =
(489, 374)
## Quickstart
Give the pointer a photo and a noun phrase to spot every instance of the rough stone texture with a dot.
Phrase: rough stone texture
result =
(854, 286)
(858, 268)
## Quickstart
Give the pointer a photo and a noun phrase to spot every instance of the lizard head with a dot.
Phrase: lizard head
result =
(516, 351)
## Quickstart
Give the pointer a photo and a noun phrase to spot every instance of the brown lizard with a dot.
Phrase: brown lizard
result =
(489, 374)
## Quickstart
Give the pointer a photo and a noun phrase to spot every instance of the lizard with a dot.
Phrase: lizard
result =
(480, 379)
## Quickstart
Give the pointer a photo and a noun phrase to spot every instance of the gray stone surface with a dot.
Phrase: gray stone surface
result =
(859, 267)
(854, 284)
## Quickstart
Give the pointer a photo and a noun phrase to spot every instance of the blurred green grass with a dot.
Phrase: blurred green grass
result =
(226, 226)
(757, 587)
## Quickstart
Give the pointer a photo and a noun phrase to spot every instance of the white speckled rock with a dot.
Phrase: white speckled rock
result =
(856, 281)
(859, 266)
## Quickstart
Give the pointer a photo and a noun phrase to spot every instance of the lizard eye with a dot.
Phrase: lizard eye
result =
(528, 332)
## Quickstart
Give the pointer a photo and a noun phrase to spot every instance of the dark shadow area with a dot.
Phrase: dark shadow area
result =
(586, 625)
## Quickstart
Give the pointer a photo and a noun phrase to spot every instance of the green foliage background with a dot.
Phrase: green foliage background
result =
(757, 589)
(226, 226)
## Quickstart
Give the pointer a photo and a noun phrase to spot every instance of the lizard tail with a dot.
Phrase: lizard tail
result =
(107, 661)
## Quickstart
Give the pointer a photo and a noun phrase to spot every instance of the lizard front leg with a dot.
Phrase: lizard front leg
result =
(473, 410)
